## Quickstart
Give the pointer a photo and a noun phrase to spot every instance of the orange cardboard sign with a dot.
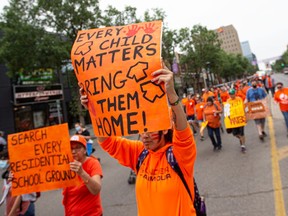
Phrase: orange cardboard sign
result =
(234, 115)
(257, 109)
(114, 66)
(40, 160)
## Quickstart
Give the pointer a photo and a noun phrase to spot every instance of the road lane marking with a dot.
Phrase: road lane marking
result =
(283, 152)
(277, 184)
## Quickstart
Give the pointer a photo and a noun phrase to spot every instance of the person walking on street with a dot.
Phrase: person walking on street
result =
(256, 93)
(238, 131)
(83, 199)
(199, 114)
(212, 115)
(164, 195)
(190, 112)
(281, 97)
(270, 84)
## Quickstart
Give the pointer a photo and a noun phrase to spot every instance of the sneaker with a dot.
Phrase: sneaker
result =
(261, 137)
(195, 133)
(214, 148)
(202, 138)
(219, 147)
(264, 134)
(243, 148)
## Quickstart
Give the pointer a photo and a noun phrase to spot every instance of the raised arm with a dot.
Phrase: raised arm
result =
(166, 76)
(84, 101)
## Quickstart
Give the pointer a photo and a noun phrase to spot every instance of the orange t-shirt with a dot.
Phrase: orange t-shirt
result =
(78, 200)
(190, 106)
(245, 89)
(241, 94)
(281, 96)
(206, 95)
(184, 101)
(224, 96)
(213, 119)
(159, 190)
(199, 110)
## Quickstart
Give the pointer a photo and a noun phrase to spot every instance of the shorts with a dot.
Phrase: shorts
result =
(239, 131)
(259, 121)
(190, 117)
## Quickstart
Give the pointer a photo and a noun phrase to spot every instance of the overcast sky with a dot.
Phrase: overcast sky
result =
(264, 23)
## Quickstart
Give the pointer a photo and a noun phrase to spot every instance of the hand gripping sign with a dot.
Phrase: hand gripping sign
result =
(114, 66)
(39, 160)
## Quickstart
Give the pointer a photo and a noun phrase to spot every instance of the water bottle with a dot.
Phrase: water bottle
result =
(89, 147)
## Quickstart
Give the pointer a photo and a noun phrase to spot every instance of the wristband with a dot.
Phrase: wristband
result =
(175, 103)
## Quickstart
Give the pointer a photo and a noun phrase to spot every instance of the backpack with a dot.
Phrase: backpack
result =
(199, 203)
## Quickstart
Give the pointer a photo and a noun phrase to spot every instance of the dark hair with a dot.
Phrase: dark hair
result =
(211, 99)
(279, 83)
(167, 137)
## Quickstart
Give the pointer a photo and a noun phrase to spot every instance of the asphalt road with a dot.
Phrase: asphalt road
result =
(250, 184)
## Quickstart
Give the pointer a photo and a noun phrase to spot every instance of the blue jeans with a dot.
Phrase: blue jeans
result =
(285, 114)
(31, 210)
(211, 132)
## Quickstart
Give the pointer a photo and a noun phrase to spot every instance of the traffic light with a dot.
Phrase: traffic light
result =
(282, 65)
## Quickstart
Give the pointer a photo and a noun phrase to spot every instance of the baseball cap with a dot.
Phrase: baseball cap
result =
(78, 139)
(232, 91)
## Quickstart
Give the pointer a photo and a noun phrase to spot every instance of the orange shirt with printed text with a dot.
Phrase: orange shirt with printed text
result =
(159, 190)
(281, 96)
(199, 110)
(190, 106)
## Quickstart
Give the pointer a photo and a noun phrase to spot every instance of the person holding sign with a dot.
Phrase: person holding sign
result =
(255, 94)
(83, 199)
(211, 114)
(235, 118)
(159, 190)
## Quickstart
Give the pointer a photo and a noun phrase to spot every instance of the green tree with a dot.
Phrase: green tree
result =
(200, 48)
(25, 45)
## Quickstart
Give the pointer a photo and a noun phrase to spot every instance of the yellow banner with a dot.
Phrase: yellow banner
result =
(234, 115)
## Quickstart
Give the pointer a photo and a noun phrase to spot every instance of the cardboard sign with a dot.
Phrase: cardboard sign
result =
(40, 160)
(234, 115)
(114, 66)
(257, 109)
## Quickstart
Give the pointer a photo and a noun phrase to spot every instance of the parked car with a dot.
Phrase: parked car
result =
(285, 70)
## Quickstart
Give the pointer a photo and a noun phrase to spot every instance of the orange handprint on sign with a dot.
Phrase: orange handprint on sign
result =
(149, 28)
(133, 30)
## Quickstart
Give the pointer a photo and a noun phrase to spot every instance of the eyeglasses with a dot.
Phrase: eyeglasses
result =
(279, 87)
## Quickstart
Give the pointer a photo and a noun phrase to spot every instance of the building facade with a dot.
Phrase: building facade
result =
(229, 39)
(35, 100)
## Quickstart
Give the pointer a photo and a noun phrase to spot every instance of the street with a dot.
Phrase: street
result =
(233, 183)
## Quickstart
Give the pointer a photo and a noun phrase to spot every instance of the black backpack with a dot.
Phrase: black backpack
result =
(199, 203)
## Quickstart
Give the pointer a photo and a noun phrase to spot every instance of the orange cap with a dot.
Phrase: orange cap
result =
(78, 139)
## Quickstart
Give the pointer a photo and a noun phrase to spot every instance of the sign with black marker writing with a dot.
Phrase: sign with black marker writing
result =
(113, 65)
(39, 160)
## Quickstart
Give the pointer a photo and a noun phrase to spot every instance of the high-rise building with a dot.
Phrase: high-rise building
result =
(229, 39)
